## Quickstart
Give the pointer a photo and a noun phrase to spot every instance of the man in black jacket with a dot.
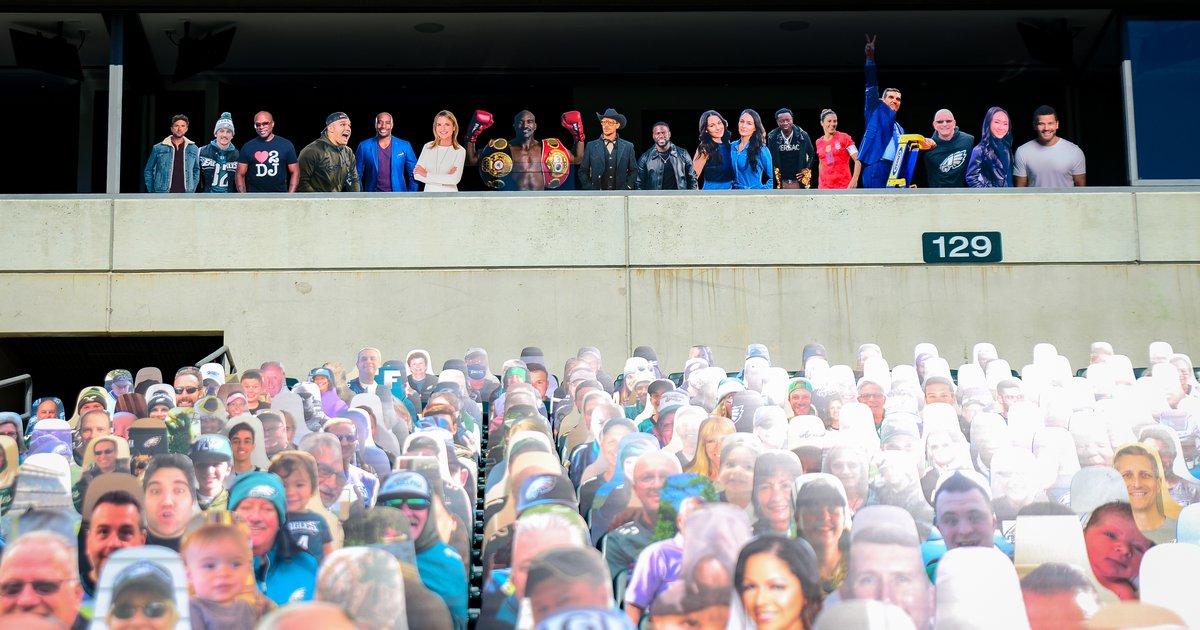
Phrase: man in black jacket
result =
(608, 162)
(665, 166)
(791, 152)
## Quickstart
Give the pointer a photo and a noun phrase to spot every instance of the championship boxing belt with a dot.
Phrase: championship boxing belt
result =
(556, 163)
(496, 164)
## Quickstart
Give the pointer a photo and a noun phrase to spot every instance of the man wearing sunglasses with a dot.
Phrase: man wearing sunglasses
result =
(39, 576)
(143, 598)
(946, 164)
(187, 386)
(269, 162)
(439, 565)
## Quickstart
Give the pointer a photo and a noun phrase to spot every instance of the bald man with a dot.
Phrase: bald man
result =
(368, 362)
(946, 164)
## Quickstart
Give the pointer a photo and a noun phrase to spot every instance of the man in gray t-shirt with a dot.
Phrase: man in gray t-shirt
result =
(1049, 161)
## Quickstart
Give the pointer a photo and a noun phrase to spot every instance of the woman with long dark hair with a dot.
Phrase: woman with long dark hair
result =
(712, 160)
(776, 580)
(990, 165)
(752, 168)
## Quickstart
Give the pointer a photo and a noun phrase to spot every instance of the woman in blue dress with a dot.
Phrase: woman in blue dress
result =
(712, 160)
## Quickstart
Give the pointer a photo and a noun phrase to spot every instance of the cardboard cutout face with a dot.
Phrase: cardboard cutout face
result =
(147, 583)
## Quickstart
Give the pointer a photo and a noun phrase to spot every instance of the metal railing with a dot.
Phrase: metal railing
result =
(220, 353)
(28, 381)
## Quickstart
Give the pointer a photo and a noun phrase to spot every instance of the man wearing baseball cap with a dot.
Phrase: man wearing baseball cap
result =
(212, 458)
(118, 383)
(664, 421)
(327, 164)
(284, 572)
(143, 595)
(440, 566)
(654, 394)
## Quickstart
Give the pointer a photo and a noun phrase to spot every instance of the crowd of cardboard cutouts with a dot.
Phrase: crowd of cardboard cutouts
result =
(907, 492)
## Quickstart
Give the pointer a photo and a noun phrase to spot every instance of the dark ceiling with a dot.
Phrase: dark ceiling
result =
(297, 44)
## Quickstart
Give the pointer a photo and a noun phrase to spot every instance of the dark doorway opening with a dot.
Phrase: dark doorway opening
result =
(62, 366)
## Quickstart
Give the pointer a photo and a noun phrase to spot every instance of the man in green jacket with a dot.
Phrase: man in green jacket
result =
(327, 164)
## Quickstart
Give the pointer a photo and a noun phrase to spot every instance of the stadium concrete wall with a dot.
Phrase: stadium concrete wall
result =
(305, 279)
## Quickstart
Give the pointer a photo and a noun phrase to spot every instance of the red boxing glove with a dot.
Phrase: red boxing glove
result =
(479, 121)
(573, 121)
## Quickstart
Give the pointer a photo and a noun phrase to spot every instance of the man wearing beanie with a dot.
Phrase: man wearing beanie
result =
(327, 164)
(219, 159)
(172, 166)
(284, 572)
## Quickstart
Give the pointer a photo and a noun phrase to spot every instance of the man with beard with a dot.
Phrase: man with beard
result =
(791, 152)
(665, 166)
(440, 567)
(608, 162)
(173, 165)
(385, 163)
(187, 386)
(524, 163)
(328, 164)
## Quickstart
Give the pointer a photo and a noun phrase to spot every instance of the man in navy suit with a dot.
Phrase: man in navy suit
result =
(608, 162)
(882, 137)
(385, 163)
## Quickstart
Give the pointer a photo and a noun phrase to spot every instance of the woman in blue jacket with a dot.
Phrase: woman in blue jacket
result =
(751, 161)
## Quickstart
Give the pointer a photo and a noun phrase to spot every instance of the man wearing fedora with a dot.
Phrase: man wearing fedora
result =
(608, 162)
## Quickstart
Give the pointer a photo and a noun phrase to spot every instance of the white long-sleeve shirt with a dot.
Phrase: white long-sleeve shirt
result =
(438, 161)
